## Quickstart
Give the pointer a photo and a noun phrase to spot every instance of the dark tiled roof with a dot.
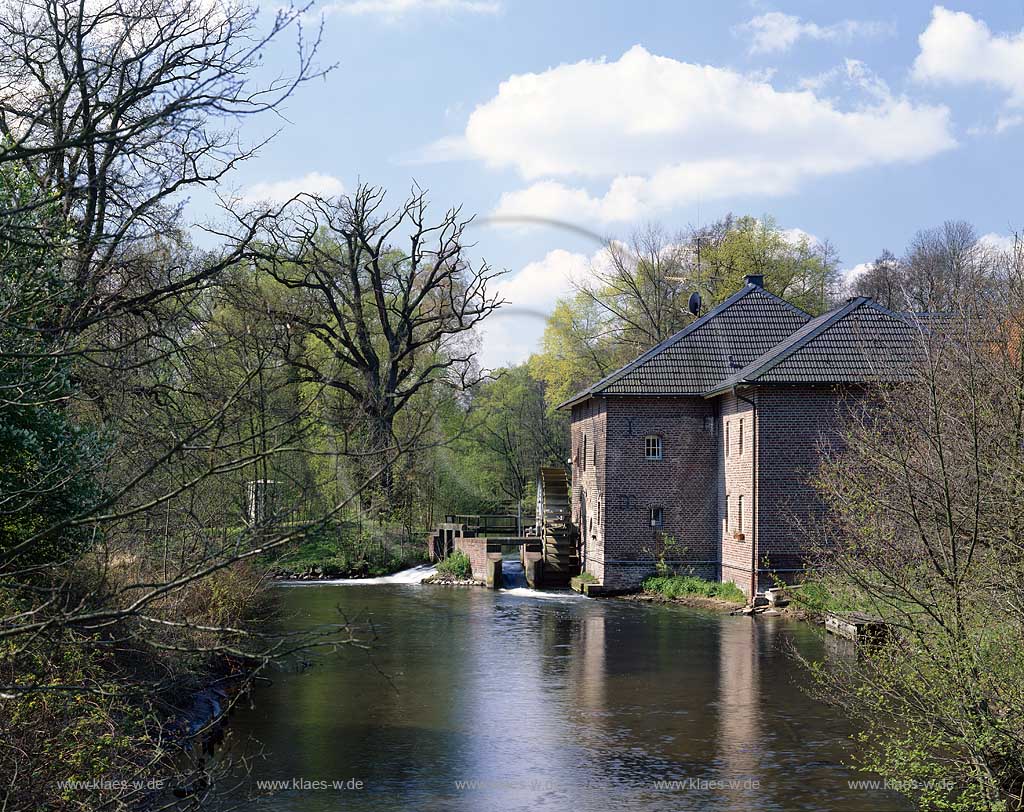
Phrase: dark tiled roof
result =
(698, 357)
(859, 342)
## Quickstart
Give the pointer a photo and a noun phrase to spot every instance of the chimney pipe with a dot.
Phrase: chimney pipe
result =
(755, 279)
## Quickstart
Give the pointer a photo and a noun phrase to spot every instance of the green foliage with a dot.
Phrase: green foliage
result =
(668, 548)
(46, 459)
(678, 586)
(575, 349)
(509, 434)
(797, 269)
(924, 532)
(456, 565)
(341, 550)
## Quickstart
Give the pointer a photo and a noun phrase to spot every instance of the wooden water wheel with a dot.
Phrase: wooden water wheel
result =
(554, 526)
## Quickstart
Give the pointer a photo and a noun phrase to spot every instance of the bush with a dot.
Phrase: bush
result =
(675, 586)
(456, 565)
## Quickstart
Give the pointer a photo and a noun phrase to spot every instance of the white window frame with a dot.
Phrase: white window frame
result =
(658, 443)
(651, 514)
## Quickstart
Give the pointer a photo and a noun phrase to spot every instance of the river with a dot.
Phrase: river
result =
(477, 700)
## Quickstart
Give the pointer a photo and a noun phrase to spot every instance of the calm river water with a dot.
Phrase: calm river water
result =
(484, 701)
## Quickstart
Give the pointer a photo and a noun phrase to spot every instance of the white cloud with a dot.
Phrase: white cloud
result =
(956, 48)
(615, 141)
(998, 242)
(313, 183)
(850, 274)
(797, 236)
(774, 32)
(513, 333)
(392, 10)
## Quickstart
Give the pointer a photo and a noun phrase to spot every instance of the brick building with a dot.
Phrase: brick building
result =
(700, 450)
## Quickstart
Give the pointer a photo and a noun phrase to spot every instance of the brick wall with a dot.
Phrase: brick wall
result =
(681, 483)
(737, 421)
(797, 425)
(476, 549)
(700, 479)
(589, 420)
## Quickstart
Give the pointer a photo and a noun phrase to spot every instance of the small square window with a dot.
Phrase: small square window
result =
(657, 517)
(652, 447)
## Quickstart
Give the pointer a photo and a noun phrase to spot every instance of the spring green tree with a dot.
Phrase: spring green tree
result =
(637, 292)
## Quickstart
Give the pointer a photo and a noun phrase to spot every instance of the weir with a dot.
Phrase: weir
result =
(548, 554)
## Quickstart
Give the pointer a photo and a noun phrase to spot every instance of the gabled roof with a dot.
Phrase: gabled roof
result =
(859, 342)
(708, 350)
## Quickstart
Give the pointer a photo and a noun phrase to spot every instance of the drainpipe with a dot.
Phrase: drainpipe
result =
(755, 511)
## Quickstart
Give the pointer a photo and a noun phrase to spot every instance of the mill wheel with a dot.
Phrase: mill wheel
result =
(554, 526)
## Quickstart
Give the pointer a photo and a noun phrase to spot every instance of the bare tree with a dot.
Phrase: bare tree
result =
(928, 534)
(641, 285)
(386, 298)
(940, 267)
(117, 108)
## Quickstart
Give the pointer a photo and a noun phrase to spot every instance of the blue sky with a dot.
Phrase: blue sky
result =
(859, 123)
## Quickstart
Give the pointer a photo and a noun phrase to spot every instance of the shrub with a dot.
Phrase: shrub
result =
(456, 565)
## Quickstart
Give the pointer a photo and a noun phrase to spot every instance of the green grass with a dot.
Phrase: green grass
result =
(587, 578)
(456, 566)
(818, 597)
(678, 586)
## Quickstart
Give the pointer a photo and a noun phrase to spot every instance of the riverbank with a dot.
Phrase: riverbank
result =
(344, 551)
(692, 601)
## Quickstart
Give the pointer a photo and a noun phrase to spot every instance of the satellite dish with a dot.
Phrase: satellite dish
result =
(695, 303)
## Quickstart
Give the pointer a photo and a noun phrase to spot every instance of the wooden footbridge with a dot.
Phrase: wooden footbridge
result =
(547, 548)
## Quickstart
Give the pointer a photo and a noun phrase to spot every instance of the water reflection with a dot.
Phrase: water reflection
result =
(483, 700)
